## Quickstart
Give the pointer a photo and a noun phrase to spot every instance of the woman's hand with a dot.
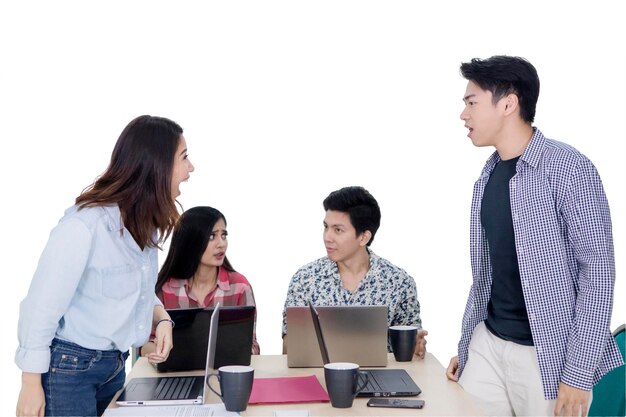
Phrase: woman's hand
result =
(163, 342)
(31, 401)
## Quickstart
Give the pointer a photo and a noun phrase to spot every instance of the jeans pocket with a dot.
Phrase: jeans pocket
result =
(68, 360)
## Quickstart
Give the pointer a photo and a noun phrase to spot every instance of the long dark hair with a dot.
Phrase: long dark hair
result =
(189, 241)
(139, 179)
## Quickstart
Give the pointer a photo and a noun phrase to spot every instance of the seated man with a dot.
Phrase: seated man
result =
(351, 274)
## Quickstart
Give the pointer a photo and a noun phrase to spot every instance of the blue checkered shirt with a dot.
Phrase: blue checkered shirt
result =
(564, 245)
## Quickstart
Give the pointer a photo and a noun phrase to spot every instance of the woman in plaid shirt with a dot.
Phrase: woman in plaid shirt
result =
(196, 272)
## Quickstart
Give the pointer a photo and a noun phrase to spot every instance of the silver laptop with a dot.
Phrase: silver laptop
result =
(355, 334)
(380, 382)
(173, 390)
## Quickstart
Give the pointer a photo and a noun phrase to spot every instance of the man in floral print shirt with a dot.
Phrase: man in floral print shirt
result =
(350, 273)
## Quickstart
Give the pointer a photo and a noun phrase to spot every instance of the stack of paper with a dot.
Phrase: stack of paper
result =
(170, 410)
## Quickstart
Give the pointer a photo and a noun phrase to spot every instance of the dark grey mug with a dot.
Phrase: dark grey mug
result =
(235, 386)
(343, 382)
(403, 340)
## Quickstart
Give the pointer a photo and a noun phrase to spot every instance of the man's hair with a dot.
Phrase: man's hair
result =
(361, 207)
(503, 75)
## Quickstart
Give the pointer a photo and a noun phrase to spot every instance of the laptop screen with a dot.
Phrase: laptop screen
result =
(234, 344)
(352, 334)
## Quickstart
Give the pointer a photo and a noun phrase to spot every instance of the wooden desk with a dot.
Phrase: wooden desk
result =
(442, 397)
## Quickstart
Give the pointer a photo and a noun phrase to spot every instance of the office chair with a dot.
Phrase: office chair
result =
(609, 394)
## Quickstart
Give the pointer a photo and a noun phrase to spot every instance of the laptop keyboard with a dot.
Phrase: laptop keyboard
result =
(174, 388)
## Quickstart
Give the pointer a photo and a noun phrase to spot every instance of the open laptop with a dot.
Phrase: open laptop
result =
(173, 390)
(381, 382)
(355, 334)
(191, 335)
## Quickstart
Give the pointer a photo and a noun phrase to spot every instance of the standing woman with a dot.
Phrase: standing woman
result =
(92, 295)
(196, 272)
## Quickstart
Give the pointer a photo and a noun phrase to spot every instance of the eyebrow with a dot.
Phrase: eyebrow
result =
(334, 225)
(468, 97)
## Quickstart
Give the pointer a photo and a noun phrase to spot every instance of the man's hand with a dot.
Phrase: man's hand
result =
(571, 401)
(420, 343)
(453, 367)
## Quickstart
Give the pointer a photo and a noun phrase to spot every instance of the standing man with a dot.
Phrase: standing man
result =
(535, 334)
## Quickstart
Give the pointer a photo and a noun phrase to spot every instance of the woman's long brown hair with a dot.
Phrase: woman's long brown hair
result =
(139, 179)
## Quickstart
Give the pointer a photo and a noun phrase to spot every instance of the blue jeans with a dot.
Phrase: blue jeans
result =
(81, 382)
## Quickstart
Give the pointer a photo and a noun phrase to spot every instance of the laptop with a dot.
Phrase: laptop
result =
(191, 335)
(381, 382)
(355, 334)
(173, 390)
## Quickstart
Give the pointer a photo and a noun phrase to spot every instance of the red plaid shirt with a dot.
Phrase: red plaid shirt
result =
(233, 289)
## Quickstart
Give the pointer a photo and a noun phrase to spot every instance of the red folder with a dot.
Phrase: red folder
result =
(297, 389)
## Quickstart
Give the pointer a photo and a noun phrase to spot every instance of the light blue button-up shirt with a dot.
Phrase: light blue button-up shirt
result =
(93, 286)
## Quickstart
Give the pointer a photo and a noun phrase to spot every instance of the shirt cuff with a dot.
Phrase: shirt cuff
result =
(577, 377)
(35, 361)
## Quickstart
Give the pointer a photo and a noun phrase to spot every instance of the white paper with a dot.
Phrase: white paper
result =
(292, 413)
(170, 410)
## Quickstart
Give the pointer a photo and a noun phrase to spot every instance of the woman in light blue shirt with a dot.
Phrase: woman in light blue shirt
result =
(92, 296)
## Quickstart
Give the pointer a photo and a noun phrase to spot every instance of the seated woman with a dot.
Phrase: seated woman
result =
(196, 272)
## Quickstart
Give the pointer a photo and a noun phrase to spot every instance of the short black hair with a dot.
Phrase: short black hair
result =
(503, 75)
(360, 205)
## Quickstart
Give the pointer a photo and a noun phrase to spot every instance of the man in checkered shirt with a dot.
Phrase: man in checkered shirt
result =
(536, 329)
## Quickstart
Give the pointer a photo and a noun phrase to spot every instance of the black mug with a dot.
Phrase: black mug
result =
(235, 385)
(403, 340)
(342, 383)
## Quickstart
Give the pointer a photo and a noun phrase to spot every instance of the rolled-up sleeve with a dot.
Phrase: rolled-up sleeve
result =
(54, 283)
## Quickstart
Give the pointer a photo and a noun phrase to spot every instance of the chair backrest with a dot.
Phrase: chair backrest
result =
(609, 394)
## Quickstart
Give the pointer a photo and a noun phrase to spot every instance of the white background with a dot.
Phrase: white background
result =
(284, 102)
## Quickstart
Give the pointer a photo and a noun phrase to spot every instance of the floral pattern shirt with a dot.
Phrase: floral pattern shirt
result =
(384, 284)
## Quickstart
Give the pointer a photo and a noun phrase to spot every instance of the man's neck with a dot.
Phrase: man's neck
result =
(514, 141)
(353, 270)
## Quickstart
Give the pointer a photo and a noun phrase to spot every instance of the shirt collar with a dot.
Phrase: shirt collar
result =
(114, 217)
(222, 280)
(531, 154)
(373, 263)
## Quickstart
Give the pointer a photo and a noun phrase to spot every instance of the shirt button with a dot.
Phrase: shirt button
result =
(144, 268)
(143, 297)
(141, 327)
